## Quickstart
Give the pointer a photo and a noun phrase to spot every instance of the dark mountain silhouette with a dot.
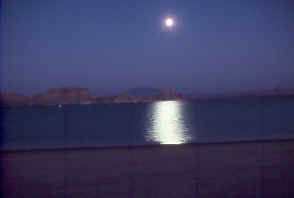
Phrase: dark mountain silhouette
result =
(72, 95)
(64, 95)
(254, 93)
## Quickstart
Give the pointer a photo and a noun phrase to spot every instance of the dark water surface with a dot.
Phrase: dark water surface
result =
(166, 122)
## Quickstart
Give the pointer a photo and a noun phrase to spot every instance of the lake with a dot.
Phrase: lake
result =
(164, 122)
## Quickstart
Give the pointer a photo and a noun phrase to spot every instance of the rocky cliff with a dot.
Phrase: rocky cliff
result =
(13, 99)
(104, 99)
(169, 94)
(125, 98)
(71, 95)
(66, 95)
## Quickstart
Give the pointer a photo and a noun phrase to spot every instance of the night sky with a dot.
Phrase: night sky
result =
(110, 46)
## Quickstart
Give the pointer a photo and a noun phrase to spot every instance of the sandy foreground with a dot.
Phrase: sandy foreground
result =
(248, 169)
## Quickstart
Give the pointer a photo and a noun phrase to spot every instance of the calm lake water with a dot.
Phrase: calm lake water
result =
(166, 122)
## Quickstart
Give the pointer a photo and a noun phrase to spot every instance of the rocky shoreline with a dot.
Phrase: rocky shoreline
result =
(72, 95)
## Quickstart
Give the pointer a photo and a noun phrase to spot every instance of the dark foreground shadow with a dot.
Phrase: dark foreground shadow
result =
(241, 169)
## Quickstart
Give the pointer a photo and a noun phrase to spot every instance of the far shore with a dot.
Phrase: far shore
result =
(71, 95)
(138, 101)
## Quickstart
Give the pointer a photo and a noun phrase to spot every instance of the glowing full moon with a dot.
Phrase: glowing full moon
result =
(169, 22)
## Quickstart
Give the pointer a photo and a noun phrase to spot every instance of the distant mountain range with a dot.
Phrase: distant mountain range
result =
(262, 93)
(72, 95)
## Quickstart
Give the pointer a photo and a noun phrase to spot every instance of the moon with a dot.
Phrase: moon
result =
(169, 22)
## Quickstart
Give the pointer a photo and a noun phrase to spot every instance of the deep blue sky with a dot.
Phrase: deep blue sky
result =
(110, 46)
